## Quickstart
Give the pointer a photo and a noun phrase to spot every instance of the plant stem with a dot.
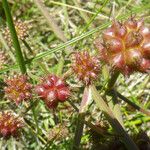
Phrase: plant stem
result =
(27, 122)
(79, 131)
(133, 104)
(81, 117)
(89, 124)
(114, 103)
(14, 37)
(41, 65)
(60, 66)
(93, 18)
(112, 81)
(130, 145)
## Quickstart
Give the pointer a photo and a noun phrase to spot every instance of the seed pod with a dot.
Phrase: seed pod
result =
(10, 124)
(18, 88)
(86, 67)
(52, 90)
(126, 46)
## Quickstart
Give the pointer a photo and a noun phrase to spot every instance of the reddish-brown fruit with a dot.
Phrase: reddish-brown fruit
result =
(52, 90)
(126, 46)
(18, 88)
(9, 125)
(145, 48)
(86, 67)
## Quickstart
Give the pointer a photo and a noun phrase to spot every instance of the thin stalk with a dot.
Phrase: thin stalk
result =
(78, 8)
(92, 19)
(35, 118)
(79, 131)
(115, 103)
(89, 124)
(130, 145)
(60, 66)
(14, 37)
(115, 106)
(41, 65)
(34, 132)
(83, 14)
(56, 119)
(133, 104)
(112, 81)
(81, 117)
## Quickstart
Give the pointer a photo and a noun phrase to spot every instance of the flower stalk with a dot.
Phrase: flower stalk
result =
(114, 103)
(112, 119)
(79, 131)
(81, 117)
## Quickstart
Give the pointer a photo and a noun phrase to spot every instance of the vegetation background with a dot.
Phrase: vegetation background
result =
(58, 27)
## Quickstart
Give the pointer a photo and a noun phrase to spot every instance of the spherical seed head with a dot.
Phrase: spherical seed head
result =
(21, 30)
(18, 88)
(10, 124)
(2, 59)
(126, 46)
(52, 90)
(85, 66)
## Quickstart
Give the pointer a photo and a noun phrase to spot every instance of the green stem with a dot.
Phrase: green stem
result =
(90, 125)
(81, 117)
(133, 104)
(112, 81)
(41, 65)
(92, 19)
(79, 131)
(27, 123)
(115, 106)
(114, 103)
(60, 66)
(130, 145)
(13, 33)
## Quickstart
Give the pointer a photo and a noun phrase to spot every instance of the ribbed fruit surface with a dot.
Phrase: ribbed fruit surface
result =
(126, 46)
(52, 90)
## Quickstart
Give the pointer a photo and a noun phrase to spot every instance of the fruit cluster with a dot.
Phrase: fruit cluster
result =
(18, 88)
(86, 67)
(52, 90)
(126, 46)
(9, 124)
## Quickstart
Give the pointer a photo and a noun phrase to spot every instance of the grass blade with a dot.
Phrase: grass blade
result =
(112, 120)
(14, 37)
